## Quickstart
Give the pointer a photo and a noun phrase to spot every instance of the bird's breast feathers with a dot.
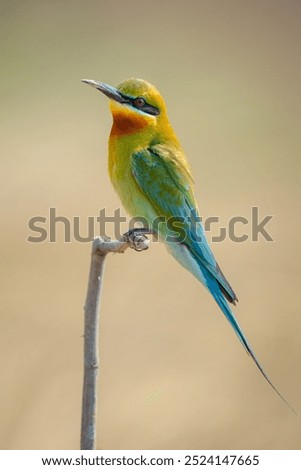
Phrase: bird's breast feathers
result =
(124, 183)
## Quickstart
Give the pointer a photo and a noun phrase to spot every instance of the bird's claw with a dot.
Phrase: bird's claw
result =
(137, 240)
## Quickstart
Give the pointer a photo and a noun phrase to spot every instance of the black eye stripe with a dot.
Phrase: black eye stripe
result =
(149, 109)
(146, 108)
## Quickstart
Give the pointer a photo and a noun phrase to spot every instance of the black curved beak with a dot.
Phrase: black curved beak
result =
(107, 90)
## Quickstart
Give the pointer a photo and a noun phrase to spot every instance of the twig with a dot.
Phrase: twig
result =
(137, 240)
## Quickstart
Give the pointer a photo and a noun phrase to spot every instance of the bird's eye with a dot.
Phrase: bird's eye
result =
(139, 102)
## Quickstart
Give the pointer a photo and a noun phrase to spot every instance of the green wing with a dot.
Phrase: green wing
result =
(163, 178)
(163, 175)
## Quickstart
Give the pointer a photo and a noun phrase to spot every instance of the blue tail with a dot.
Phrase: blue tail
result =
(222, 303)
(206, 270)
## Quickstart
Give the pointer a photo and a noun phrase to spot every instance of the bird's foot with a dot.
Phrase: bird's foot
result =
(136, 238)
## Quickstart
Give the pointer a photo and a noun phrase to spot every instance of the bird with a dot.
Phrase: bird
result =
(152, 177)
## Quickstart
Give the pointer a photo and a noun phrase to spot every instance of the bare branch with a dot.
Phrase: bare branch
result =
(137, 240)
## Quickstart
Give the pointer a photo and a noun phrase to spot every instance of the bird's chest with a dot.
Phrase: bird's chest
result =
(120, 171)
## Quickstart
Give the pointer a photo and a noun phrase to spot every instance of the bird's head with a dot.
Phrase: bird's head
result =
(135, 104)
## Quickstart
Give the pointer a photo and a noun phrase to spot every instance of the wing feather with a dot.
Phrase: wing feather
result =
(163, 175)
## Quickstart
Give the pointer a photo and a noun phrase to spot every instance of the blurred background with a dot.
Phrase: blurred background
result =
(173, 375)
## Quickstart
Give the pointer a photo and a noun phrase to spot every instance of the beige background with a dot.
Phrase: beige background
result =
(173, 374)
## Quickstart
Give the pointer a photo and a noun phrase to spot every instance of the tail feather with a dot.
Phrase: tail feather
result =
(222, 303)
(202, 271)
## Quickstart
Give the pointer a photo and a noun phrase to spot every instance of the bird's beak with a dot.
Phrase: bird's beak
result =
(107, 90)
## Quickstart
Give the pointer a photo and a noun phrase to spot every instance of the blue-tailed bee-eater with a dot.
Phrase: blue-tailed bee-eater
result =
(150, 173)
